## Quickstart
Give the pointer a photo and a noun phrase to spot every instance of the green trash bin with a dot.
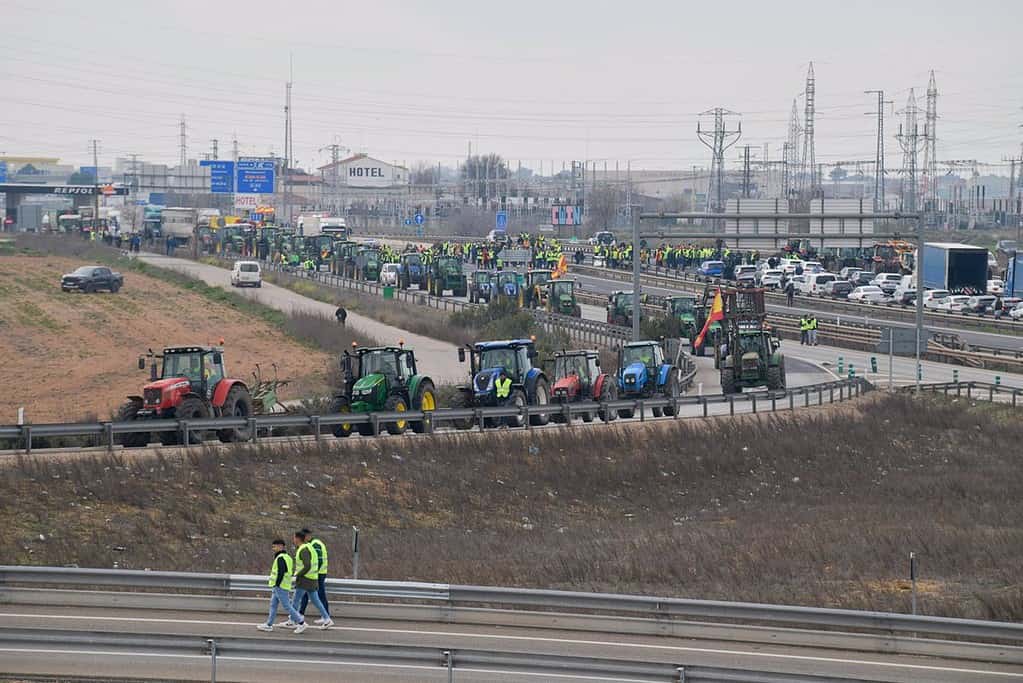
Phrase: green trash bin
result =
(388, 291)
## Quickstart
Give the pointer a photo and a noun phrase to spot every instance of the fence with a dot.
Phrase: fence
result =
(985, 391)
(193, 431)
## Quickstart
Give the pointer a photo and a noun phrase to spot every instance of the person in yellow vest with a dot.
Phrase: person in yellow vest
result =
(307, 579)
(280, 582)
(804, 329)
(320, 548)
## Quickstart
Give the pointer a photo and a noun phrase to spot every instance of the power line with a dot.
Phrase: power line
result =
(718, 141)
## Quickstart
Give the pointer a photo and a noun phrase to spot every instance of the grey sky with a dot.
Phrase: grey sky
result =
(530, 80)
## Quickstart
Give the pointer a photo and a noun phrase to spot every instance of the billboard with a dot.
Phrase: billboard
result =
(566, 214)
(369, 172)
(221, 176)
(254, 176)
(248, 201)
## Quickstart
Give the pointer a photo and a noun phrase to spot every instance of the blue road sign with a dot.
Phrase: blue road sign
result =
(502, 220)
(3, 171)
(419, 219)
(254, 177)
(408, 221)
(221, 176)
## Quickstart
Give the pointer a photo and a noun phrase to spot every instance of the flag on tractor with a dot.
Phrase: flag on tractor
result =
(717, 312)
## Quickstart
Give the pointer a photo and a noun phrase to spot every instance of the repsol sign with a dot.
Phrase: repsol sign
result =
(70, 189)
(359, 172)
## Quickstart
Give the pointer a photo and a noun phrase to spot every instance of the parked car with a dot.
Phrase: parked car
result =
(712, 268)
(837, 289)
(934, 297)
(868, 294)
(996, 286)
(849, 273)
(769, 278)
(389, 274)
(91, 279)
(1017, 311)
(953, 303)
(813, 267)
(789, 265)
(602, 238)
(981, 303)
(815, 283)
(246, 274)
(887, 282)
(744, 274)
(905, 293)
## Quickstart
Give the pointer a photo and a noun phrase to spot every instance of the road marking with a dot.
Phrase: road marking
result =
(567, 641)
(440, 668)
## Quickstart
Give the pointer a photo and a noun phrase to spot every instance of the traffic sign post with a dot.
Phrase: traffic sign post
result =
(419, 219)
(222, 176)
(254, 177)
(502, 220)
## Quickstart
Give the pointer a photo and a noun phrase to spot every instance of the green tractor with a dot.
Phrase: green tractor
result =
(561, 298)
(535, 293)
(383, 379)
(345, 253)
(446, 274)
(367, 264)
(682, 310)
(619, 308)
(750, 355)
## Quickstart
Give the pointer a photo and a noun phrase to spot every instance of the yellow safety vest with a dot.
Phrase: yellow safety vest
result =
(321, 554)
(503, 387)
(313, 570)
(289, 563)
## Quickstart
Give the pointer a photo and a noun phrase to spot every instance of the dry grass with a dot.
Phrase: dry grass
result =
(814, 509)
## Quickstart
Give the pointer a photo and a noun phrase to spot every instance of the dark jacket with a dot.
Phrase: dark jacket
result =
(282, 568)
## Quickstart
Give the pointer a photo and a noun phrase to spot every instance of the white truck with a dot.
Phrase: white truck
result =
(179, 222)
(316, 225)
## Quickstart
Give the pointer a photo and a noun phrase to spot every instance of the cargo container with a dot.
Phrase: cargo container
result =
(959, 268)
(178, 222)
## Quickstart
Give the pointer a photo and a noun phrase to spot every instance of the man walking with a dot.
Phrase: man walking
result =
(280, 583)
(790, 291)
(320, 548)
(341, 314)
(307, 575)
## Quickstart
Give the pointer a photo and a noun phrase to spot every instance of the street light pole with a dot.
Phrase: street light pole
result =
(919, 268)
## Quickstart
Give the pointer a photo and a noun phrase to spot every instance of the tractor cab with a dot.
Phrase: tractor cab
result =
(682, 310)
(509, 287)
(482, 286)
(536, 291)
(374, 373)
(561, 298)
(649, 354)
(368, 263)
(488, 359)
(201, 366)
(446, 274)
(619, 308)
(574, 374)
(411, 270)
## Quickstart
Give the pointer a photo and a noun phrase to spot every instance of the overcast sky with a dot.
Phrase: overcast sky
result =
(530, 80)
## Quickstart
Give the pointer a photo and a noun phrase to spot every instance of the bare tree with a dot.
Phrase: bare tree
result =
(485, 176)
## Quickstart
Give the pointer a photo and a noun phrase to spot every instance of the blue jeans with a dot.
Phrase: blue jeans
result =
(279, 596)
(301, 593)
(321, 591)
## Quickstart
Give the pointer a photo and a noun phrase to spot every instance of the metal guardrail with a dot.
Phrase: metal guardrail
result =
(189, 431)
(807, 618)
(336, 653)
(976, 390)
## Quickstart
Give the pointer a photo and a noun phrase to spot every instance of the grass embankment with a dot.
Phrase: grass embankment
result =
(816, 509)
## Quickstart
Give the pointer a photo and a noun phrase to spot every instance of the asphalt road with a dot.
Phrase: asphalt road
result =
(59, 659)
(439, 357)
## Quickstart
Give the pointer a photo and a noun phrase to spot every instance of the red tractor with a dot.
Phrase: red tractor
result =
(577, 377)
(192, 386)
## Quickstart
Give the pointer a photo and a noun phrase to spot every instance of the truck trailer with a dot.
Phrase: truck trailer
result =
(959, 268)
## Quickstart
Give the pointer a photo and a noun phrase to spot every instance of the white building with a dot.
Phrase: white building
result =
(362, 171)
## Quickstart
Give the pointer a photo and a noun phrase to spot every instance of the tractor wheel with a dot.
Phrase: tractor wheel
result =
(517, 399)
(129, 413)
(193, 408)
(89, 288)
(626, 413)
(588, 416)
(558, 417)
(396, 404)
(608, 393)
(656, 412)
(541, 398)
(237, 404)
(672, 390)
(727, 381)
(340, 404)
(425, 400)
(577, 311)
(114, 288)
(462, 401)
(776, 377)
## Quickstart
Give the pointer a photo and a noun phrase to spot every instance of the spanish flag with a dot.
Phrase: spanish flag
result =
(561, 268)
(717, 312)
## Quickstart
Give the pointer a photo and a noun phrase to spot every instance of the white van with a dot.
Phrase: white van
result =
(813, 283)
(246, 274)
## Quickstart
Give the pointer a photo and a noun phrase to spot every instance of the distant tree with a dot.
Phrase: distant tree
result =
(602, 206)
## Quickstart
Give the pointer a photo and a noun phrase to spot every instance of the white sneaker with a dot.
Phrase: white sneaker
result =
(300, 628)
(327, 624)
(287, 624)
(321, 620)
(265, 627)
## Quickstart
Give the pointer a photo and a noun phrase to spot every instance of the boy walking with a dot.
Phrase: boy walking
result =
(281, 572)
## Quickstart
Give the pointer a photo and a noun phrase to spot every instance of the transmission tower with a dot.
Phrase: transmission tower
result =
(807, 178)
(909, 140)
(721, 139)
(879, 171)
(931, 147)
(184, 140)
(790, 152)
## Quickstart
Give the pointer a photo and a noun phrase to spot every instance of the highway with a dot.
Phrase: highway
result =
(54, 657)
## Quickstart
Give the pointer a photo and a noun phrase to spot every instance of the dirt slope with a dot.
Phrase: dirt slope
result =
(66, 355)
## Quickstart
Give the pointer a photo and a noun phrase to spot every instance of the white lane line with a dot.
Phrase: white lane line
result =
(567, 641)
(317, 662)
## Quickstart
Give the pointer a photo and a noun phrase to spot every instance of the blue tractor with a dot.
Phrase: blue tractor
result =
(644, 372)
(515, 357)
(411, 270)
